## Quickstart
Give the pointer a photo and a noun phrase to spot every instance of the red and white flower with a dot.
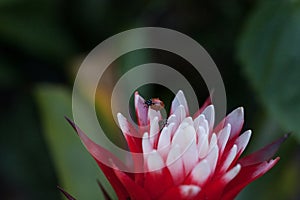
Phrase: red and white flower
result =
(189, 158)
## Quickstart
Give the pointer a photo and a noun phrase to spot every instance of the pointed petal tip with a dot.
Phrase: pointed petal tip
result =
(248, 132)
(211, 106)
(120, 117)
(72, 123)
(241, 109)
(232, 173)
(123, 124)
(104, 192)
(228, 126)
(66, 194)
(238, 112)
(136, 97)
(180, 92)
(69, 120)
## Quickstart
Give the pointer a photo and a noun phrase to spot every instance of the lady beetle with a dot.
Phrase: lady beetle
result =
(154, 104)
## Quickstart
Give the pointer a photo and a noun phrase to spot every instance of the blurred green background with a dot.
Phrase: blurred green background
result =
(255, 44)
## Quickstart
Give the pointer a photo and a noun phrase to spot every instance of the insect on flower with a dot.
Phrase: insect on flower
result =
(154, 103)
(190, 158)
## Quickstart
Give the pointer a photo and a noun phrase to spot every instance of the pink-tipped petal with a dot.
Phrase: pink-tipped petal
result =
(141, 110)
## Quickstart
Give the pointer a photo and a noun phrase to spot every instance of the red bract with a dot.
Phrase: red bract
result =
(188, 158)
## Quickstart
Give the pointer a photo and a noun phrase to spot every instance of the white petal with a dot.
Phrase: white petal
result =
(213, 142)
(184, 136)
(201, 172)
(230, 157)
(172, 128)
(236, 119)
(164, 142)
(147, 146)
(165, 138)
(198, 120)
(175, 164)
(123, 123)
(223, 136)
(189, 191)
(242, 141)
(190, 157)
(209, 114)
(188, 120)
(154, 130)
(231, 174)
(172, 119)
(180, 114)
(179, 100)
(212, 158)
(155, 161)
(153, 113)
(141, 109)
(203, 146)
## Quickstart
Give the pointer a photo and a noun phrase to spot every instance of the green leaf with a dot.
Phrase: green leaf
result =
(269, 52)
(76, 169)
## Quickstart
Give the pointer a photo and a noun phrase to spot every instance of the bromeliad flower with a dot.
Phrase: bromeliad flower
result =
(187, 158)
